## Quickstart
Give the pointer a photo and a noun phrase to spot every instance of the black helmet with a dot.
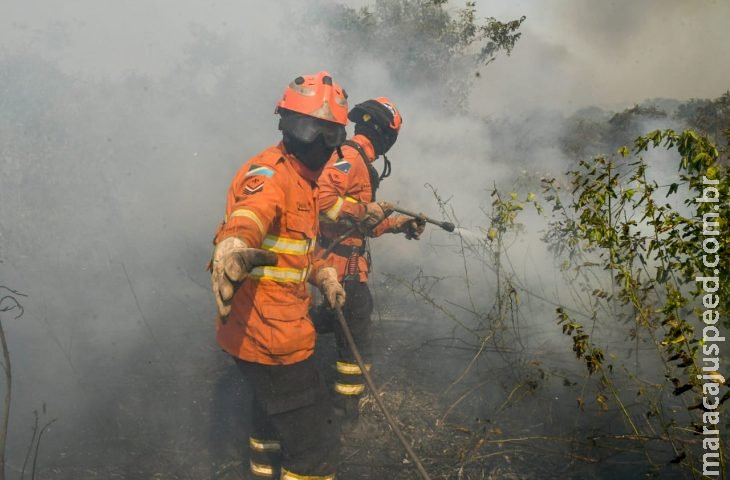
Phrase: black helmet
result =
(379, 120)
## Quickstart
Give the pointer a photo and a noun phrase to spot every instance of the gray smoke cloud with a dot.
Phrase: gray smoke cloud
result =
(611, 54)
(122, 123)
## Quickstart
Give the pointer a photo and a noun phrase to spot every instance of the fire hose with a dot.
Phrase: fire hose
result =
(389, 208)
(378, 400)
(448, 226)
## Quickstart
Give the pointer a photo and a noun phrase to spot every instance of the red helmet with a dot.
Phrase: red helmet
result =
(319, 106)
(397, 119)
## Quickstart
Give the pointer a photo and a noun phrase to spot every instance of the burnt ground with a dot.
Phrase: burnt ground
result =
(513, 415)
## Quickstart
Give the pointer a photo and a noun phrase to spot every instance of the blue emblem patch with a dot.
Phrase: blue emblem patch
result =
(343, 165)
(260, 170)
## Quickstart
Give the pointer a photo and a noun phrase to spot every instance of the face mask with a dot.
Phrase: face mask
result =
(381, 142)
(313, 155)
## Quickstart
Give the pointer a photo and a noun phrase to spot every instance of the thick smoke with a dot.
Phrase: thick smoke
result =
(121, 124)
(613, 54)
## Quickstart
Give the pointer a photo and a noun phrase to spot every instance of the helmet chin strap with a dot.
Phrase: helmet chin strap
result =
(340, 155)
(386, 168)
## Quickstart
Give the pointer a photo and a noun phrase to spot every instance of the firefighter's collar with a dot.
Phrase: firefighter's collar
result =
(301, 169)
(367, 145)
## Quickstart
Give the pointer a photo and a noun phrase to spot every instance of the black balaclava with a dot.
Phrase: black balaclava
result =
(313, 155)
(381, 141)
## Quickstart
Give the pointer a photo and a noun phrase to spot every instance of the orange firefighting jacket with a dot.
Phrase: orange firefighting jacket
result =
(344, 189)
(272, 204)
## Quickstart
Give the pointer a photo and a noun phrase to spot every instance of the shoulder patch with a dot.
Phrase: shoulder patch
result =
(254, 184)
(260, 170)
(342, 165)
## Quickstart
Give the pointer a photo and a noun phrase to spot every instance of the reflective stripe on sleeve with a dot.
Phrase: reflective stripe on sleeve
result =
(334, 210)
(264, 445)
(244, 212)
(287, 475)
(346, 389)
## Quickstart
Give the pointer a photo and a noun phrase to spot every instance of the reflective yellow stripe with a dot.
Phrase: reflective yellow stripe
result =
(290, 246)
(280, 274)
(334, 210)
(345, 389)
(351, 200)
(287, 475)
(261, 470)
(264, 445)
(244, 212)
(351, 368)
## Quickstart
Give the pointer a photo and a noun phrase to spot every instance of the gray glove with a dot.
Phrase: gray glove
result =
(232, 261)
(373, 214)
(332, 290)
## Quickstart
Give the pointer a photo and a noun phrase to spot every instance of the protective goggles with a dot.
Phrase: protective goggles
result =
(307, 129)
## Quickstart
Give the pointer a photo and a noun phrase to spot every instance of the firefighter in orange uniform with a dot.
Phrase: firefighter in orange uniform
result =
(262, 260)
(347, 200)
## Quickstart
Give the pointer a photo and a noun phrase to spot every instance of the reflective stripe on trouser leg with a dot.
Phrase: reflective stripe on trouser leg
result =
(265, 457)
(349, 389)
(261, 469)
(295, 404)
(357, 311)
(264, 446)
(350, 380)
(287, 475)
